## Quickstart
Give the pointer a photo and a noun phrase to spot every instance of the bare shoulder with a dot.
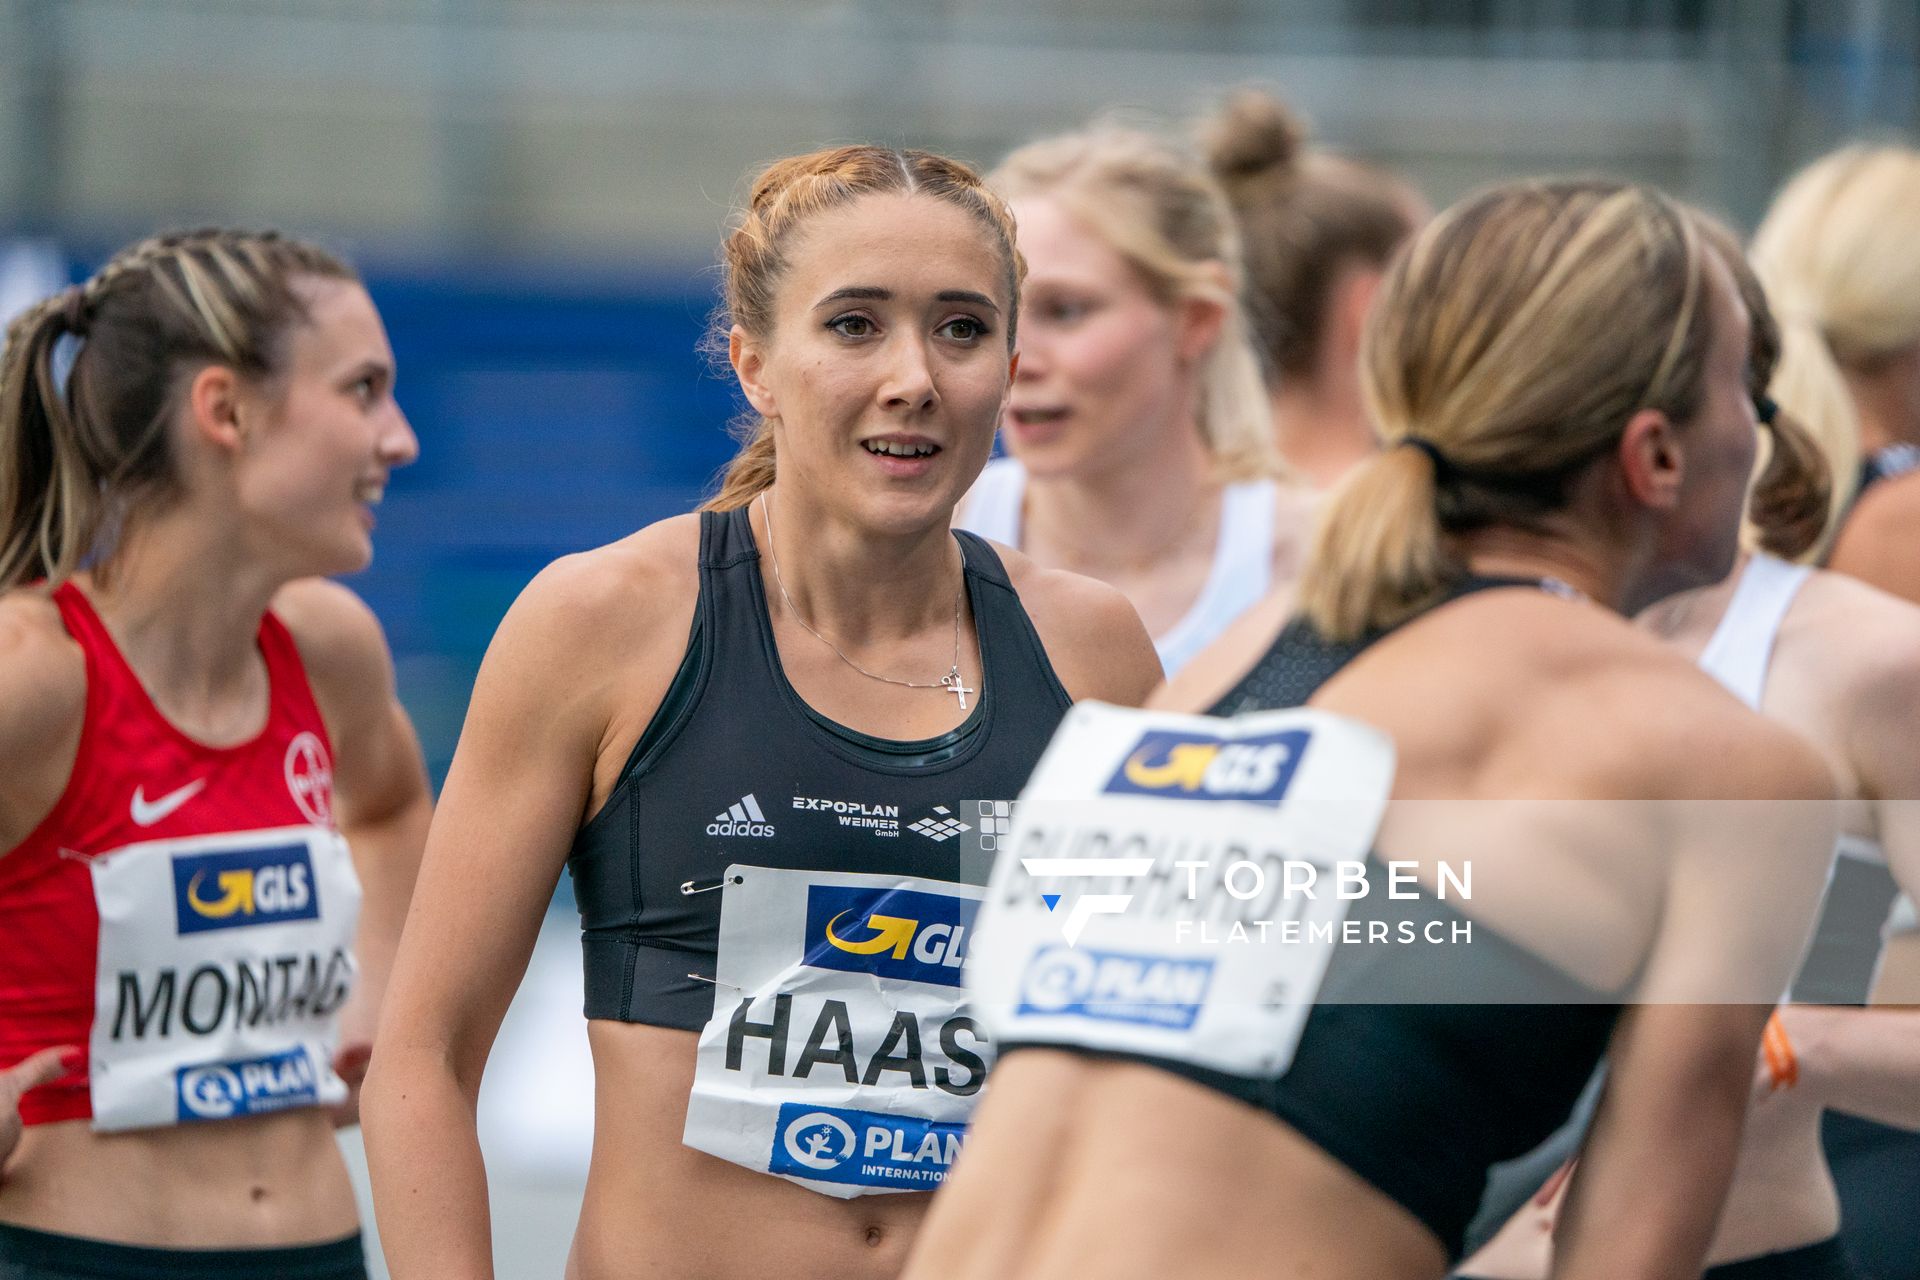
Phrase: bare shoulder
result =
(1583, 702)
(43, 706)
(1654, 725)
(1863, 645)
(1862, 635)
(616, 596)
(600, 630)
(43, 674)
(340, 640)
(1876, 543)
(1092, 636)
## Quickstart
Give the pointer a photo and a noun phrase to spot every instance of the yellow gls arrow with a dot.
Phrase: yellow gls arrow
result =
(1185, 767)
(238, 895)
(888, 931)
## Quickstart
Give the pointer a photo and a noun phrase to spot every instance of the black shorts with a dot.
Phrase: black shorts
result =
(1877, 1170)
(41, 1255)
(1824, 1261)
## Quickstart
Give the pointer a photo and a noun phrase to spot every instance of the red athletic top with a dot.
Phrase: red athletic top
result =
(136, 778)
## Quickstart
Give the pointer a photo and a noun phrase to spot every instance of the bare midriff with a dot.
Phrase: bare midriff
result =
(655, 1206)
(253, 1183)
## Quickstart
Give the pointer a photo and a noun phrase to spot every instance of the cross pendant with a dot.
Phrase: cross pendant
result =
(953, 684)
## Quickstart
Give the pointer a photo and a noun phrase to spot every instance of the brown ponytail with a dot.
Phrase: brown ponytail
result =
(1791, 503)
(49, 486)
(1790, 507)
(785, 196)
(1306, 215)
(78, 460)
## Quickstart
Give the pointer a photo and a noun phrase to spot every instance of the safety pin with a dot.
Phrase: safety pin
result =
(697, 977)
(688, 889)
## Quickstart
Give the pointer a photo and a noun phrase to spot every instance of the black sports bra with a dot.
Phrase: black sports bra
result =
(1420, 1099)
(736, 767)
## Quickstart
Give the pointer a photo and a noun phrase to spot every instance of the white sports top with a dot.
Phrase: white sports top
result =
(1859, 888)
(1242, 557)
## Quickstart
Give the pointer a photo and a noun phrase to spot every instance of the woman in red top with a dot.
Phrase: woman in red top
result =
(180, 915)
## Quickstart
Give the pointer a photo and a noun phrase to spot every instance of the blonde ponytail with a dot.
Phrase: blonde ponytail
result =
(1378, 555)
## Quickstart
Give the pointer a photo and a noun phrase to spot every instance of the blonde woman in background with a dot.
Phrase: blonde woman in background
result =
(1839, 252)
(1318, 230)
(1139, 432)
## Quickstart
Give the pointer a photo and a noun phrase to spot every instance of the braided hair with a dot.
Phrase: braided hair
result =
(75, 458)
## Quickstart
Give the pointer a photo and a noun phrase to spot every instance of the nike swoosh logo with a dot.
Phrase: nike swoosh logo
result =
(146, 812)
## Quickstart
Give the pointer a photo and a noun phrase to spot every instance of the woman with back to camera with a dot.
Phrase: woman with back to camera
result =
(811, 679)
(1140, 442)
(1318, 230)
(1839, 251)
(1571, 438)
(190, 723)
(1839, 663)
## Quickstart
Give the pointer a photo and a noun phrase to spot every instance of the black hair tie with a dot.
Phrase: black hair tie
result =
(73, 311)
(1440, 464)
(1765, 409)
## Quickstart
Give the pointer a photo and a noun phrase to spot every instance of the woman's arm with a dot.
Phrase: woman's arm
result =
(1742, 890)
(578, 666)
(381, 799)
(1862, 1061)
(43, 706)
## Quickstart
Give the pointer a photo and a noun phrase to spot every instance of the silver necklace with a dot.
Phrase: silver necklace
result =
(949, 683)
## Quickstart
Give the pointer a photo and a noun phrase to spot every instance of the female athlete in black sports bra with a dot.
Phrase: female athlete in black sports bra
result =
(775, 743)
(1564, 365)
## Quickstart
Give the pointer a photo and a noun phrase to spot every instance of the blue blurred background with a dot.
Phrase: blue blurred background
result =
(535, 188)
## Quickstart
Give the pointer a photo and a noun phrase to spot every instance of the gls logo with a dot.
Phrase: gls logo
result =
(222, 1090)
(894, 933)
(244, 887)
(865, 1148)
(1194, 766)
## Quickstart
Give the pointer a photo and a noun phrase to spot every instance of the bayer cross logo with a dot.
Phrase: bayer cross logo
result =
(820, 1141)
(310, 778)
(939, 826)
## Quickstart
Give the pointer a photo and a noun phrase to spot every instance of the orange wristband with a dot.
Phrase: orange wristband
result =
(1783, 1069)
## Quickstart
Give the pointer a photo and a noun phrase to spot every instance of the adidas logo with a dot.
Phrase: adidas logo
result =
(742, 818)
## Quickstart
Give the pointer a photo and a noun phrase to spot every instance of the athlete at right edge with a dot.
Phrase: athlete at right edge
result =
(1571, 434)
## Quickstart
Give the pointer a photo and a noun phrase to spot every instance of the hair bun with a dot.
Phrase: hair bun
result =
(1251, 132)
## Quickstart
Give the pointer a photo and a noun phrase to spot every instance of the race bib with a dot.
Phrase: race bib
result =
(222, 962)
(841, 1054)
(1173, 885)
